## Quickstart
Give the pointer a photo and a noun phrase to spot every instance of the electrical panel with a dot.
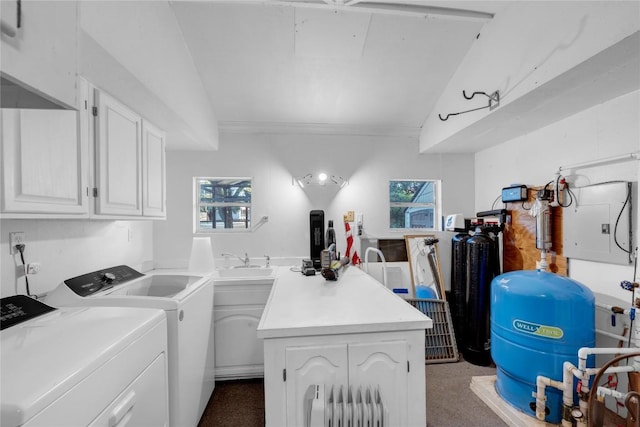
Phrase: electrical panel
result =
(599, 223)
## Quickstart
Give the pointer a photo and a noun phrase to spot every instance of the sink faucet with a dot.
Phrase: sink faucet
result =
(268, 260)
(245, 260)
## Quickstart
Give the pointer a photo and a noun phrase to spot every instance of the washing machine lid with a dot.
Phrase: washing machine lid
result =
(125, 287)
(43, 358)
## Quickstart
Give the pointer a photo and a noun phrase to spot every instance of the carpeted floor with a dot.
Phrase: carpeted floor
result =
(450, 402)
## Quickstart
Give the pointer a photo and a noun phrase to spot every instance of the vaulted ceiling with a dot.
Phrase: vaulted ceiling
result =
(308, 66)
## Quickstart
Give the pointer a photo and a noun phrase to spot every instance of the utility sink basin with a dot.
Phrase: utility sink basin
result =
(246, 272)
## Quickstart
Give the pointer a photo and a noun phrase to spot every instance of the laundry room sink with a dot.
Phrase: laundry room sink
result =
(242, 272)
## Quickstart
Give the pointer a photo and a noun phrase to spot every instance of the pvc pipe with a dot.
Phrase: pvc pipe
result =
(610, 307)
(541, 384)
(623, 157)
(568, 372)
(584, 352)
(604, 391)
(616, 336)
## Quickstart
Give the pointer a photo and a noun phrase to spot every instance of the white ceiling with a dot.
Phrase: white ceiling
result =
(278, 67)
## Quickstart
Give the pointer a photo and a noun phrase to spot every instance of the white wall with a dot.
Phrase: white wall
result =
(527, 44)
(68, 248)
(272, 161)
(602, 131)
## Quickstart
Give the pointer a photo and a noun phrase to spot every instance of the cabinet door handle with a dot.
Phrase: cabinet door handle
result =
(122, 412)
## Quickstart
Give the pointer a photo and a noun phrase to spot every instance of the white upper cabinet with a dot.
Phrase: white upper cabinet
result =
(44, 163)
(38, 48)
(153, 171)
(118, 145)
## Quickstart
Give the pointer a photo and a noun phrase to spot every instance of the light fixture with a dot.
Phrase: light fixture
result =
(322, 180)
(339, 181)
(304, 180)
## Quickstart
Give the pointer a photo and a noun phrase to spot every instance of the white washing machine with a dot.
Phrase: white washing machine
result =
(82, 366)
(188, 303)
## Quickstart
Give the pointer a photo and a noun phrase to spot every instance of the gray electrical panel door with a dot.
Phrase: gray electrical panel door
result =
(599, 224)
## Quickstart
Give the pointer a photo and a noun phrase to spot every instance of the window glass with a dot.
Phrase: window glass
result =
(223, 204)
(413, 204)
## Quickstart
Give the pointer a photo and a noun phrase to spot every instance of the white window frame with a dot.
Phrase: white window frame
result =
(436, 205)
(197, 204)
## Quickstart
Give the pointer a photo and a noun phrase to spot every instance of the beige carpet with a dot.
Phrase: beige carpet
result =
(450, 401)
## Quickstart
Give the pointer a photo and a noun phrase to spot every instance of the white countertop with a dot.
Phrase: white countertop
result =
(310, 305)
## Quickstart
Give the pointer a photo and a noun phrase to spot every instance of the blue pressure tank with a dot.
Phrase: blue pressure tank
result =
(538, 321)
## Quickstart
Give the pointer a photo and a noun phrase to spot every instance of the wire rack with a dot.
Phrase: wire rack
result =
(440, 341)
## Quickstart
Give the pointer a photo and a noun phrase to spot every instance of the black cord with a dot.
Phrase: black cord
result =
(557, 193)
(20, 249)
(615, 228)
(571, 198)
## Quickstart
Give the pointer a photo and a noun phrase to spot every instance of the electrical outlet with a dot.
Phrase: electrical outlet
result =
(33, 268)
(16, 238)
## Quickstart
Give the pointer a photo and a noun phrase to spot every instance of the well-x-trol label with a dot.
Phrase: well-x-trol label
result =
(537, 329)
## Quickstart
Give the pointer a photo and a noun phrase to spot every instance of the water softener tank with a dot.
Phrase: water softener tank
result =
(481, 260)
(458, 283)
(538, 321)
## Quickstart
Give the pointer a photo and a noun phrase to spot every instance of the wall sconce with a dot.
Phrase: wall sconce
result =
(322, 180)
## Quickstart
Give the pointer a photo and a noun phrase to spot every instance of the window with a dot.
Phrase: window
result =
(414, 204)
(222, 204)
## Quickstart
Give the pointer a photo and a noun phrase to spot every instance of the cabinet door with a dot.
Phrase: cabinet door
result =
(44, 162)
(309, 365)
(118, 158)
(239, 352)
(383, 365)
(41, 55)
(153, 171)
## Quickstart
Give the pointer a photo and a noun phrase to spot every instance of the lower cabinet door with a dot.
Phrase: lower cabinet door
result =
(383, 366)
(309, 365)
(239, 352)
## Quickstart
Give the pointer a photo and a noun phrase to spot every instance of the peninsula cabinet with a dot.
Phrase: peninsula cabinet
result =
(38, 48)
(354, 333)
(44, 164)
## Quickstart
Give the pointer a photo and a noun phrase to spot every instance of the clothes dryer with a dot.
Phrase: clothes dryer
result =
(82, 366)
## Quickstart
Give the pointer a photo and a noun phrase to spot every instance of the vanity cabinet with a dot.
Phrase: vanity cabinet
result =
(44, 163)
(238, 307)
(38, 48)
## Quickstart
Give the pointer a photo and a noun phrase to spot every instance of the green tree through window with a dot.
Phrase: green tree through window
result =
(223, 204)
(413, 204)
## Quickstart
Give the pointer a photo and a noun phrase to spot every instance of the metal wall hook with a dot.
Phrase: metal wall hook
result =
(494, 100)
(495, 96)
